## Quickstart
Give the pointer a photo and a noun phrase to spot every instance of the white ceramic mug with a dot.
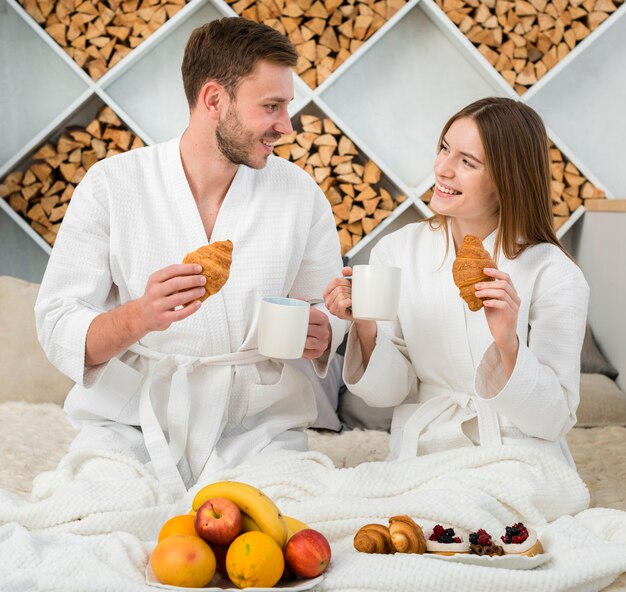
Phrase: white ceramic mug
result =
(375, 292)
(283, 327)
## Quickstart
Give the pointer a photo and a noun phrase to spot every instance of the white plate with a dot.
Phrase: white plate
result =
(502, 561)
(218, 584)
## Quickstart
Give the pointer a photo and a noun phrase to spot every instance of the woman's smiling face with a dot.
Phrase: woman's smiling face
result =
(464, 189)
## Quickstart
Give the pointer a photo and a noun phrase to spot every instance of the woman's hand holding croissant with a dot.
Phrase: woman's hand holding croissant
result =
(338, 296)
(501, 304)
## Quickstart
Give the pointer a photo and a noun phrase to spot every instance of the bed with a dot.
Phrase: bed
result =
(36, 434)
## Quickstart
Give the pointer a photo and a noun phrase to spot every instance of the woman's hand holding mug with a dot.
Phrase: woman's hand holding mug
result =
(338, 301)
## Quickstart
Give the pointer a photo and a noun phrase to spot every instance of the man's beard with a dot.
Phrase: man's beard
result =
(236, 143)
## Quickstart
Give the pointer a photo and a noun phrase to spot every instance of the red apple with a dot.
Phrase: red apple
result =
(307, 553)
(288, 575)
(220, 560)
(218, 521)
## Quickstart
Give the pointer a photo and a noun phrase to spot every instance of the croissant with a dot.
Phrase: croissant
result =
(373, 538)
(215, 260)
(406, 535)
(467, 270)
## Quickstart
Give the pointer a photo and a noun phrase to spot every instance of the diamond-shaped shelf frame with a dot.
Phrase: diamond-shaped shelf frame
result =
(325, 33)
(523, 39)
(361, 196)
(40, 190)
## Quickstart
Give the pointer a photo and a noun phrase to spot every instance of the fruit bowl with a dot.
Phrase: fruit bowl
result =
(218, 583)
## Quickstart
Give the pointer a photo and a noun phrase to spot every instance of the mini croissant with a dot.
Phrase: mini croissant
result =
(467, 270)
(215, 260)
(406, 535)
(373, 538)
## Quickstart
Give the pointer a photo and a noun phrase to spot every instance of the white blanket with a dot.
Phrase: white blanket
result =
(88, 522)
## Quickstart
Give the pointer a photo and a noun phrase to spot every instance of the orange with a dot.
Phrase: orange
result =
(183, 560)
(183, 524)
(254, 559)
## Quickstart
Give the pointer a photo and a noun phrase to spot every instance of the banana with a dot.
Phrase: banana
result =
(251, 501)
(294, 525)
(247, 524)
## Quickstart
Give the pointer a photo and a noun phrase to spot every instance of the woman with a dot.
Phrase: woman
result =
(509, 373)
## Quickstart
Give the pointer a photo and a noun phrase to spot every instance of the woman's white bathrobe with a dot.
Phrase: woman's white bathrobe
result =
(201, 394)
(440, 360)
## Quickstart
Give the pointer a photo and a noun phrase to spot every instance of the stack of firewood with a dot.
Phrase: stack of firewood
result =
(427, 195)
(523, 39)
(97, 34)
(570, 189)
(325, 32)
(42, 193)
(351, 182)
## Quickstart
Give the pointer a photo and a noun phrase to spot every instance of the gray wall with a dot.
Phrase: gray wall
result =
(600, 250)
(19, 255)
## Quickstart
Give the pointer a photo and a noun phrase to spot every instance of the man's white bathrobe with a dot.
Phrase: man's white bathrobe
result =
(440, 360)
(197, 396)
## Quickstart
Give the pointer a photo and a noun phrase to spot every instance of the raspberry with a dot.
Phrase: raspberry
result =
(438, 532)
(456, 539)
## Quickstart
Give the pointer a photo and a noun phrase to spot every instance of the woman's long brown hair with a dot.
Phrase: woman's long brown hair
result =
(516, 153)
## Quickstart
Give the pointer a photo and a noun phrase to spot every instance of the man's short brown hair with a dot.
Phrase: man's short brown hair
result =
(228, 49)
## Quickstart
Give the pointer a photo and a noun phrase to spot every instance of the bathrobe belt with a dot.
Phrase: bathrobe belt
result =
(166, 455)
(437, 400)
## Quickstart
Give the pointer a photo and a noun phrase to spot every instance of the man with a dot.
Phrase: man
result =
(178, 384)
